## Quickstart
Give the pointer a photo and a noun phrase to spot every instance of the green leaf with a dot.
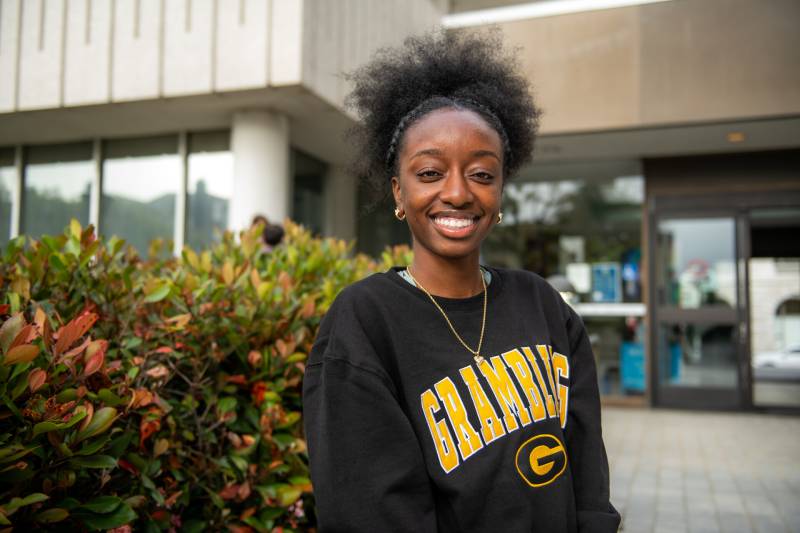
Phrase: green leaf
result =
(30, 499)
(69, 503)
(11, 453)
(119, 517)
(101, 421)
(51, 516)
(109, 398)
(158, 294)
(226, 404)
(44, 427)
(288, 494)
(94, 461)
(9, 330)
(102, 504)
(91, 448)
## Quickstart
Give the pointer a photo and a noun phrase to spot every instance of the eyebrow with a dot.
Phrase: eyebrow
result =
(437, 152)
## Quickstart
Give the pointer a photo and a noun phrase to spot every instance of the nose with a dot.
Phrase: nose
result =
(455, 190)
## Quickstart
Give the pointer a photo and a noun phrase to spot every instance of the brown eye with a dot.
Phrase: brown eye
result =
(429, 174)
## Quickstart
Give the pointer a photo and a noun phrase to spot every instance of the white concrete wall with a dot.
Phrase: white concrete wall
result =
(41, 54)
(340, 35)
(9, 34)
(62, 53)
(87, 56)
(241, 56)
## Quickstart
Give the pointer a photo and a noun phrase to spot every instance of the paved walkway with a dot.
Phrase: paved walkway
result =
(698, 472)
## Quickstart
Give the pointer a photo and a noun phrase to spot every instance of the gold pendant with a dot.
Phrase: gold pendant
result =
(479, 360)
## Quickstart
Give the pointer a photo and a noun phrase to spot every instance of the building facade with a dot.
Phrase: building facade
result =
(663, 200)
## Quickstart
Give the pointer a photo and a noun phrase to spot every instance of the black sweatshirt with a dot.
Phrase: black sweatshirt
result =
(407, 433)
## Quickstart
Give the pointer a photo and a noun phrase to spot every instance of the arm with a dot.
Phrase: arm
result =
(366, 465)
(584, 439)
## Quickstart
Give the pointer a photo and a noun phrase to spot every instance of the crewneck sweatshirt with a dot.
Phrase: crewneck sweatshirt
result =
(406, 432)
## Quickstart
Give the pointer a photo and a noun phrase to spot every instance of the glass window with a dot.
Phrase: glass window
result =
(774, 288)
(579, 226)
(141, 180)
(376, 225)
(210, 187)
(58, 181)
(582, 234)
(696, 266)
(309, 177)
(8, 184)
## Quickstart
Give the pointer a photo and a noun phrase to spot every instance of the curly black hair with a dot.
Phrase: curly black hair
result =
(464, 70)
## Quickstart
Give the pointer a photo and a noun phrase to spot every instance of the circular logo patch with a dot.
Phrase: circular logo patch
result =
(541, 459)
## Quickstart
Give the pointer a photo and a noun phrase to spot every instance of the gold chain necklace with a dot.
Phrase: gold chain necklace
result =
(476, 353)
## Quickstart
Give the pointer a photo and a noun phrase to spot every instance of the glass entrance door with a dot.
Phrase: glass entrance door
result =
(773, 273)
(697, 313)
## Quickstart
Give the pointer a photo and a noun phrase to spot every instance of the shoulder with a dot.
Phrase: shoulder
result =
(527, 284)
(354, 329)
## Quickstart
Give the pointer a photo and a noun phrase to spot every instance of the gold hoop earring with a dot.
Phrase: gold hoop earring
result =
(399, 214)
(499, 217)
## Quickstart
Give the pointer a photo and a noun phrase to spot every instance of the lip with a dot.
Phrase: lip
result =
(454, 232)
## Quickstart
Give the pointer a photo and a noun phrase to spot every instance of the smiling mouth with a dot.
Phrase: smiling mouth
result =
(455, 226)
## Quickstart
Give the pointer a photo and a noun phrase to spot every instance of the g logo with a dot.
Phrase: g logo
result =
(541, 459)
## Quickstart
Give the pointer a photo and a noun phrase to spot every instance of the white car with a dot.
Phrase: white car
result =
(778, 365)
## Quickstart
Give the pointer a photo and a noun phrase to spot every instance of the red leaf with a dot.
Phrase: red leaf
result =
(21, 354)
(164, 349)
(4, 309)
(95, 357)
(74, 330)
(36, 379)
(238, 379)
(125, 465)
(229, 492)
(25, 336)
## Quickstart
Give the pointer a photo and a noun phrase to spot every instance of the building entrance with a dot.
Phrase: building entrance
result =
(725, 301)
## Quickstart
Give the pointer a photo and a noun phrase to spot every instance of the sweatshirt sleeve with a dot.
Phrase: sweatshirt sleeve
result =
(366, 464)
(584, 438)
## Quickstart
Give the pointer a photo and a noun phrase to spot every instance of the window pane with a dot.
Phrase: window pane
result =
(697, 355)
(210, 187)
(696, 262)
(141, 179)
(586, 232)
(58, 181)
(7, 187)
(309, 176)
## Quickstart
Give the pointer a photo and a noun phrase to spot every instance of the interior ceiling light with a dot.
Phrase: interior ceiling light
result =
(735, 136)
(531, 10)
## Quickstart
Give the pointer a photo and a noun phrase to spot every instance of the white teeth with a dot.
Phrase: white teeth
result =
(454, 222)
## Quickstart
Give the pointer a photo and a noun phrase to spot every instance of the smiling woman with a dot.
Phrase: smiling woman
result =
(450, 396)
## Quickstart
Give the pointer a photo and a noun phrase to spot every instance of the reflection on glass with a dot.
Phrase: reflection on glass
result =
(58, 181)
(308, 205)
(577, 231)
(141, 179)
(775, 330)
(210, 192)
(696, 262)
(618, 346)
(8, 180)
(697, 355)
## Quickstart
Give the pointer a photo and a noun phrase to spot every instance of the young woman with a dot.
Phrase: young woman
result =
(450, 396)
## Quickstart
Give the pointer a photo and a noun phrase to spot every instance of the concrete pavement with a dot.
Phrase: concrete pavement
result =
(700, 472)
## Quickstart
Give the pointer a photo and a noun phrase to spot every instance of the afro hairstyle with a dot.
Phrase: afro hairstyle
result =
(465, 70)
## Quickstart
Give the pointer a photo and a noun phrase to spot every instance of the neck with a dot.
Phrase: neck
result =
(460, 278)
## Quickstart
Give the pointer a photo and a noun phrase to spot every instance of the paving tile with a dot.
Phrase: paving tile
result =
(701, 473)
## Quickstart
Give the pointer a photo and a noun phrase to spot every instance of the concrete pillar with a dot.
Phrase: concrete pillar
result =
(262, 177)
(341, 203)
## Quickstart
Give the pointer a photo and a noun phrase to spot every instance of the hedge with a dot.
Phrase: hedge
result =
(161, 394)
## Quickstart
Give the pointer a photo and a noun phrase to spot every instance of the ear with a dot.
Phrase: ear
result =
(396, 191)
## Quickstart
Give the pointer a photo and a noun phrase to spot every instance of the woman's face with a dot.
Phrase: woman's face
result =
(449, 183)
